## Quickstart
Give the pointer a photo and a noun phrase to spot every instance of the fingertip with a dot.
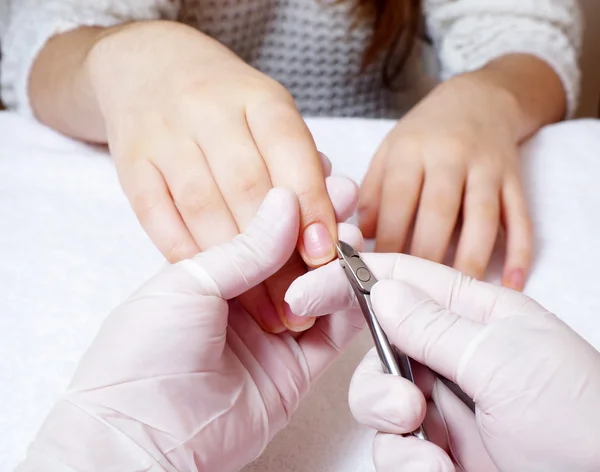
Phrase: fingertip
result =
(352, 235)
(386, 403)
(320, 292)
(325, 164)
(295, 323)
(343, 193)
(514, 279)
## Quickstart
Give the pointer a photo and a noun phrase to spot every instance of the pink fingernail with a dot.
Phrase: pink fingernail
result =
(317, 243)
(294, 322)
(516, 279)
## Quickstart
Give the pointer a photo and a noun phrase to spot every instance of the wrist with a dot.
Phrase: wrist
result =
(537, 92)
(491, 99)
(70, 440)
(136, 61)
(60, 90)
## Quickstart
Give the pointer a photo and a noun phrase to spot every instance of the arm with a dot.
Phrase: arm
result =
(526, 48)
(44, 46)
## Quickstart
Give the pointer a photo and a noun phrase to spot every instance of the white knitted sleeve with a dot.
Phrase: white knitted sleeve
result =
(470, 33)
(28, 24)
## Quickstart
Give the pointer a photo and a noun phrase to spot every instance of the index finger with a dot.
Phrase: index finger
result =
(289, 151)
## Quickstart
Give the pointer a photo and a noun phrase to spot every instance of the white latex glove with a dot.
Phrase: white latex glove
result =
(180, 379)
(536, 383)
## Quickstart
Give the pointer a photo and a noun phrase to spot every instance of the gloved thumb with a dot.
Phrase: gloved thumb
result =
(231, 269)
(179, 315)
(422, 329)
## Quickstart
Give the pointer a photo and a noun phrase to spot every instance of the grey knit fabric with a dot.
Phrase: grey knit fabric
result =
(309, 45)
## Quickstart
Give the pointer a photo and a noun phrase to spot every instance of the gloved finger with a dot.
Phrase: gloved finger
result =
(343, 193)
(393, 453)
(307, 295)
(321, 292)
(387, 403)
(326, 289)
(463, 439)
(422, 329)
(325, 164)
(254, 255)
(328, 338)
(394, 405)
(352, 235)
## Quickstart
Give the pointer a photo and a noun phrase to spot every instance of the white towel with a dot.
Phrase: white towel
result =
(71, 249)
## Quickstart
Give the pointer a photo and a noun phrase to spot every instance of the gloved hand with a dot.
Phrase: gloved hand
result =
(180, 377)
(536, 383)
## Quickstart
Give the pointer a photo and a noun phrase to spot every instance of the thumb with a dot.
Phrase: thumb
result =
(233, 268)
(422, 329)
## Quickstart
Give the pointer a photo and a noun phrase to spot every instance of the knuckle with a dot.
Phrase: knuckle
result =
(487, 209)
(277, 93)
(144, 203)
(191, 199)
(404, 147)
(274, 100)
(456, 147)
(207, 105)
(178, 250)
(248, 187)
(442, 202)
(314, 205)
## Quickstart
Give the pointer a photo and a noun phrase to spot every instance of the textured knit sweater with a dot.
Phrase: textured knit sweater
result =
(309, 45)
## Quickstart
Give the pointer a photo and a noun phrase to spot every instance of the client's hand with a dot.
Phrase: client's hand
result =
(180, 377)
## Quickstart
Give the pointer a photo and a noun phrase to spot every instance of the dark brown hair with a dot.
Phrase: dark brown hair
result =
(396, 27)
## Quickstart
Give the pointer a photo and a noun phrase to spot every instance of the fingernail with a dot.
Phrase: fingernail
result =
(269, 320)
(294, 322)
(515, 279)
(318, 244)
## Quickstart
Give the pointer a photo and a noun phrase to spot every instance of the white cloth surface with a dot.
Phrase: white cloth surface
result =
(71, 250)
